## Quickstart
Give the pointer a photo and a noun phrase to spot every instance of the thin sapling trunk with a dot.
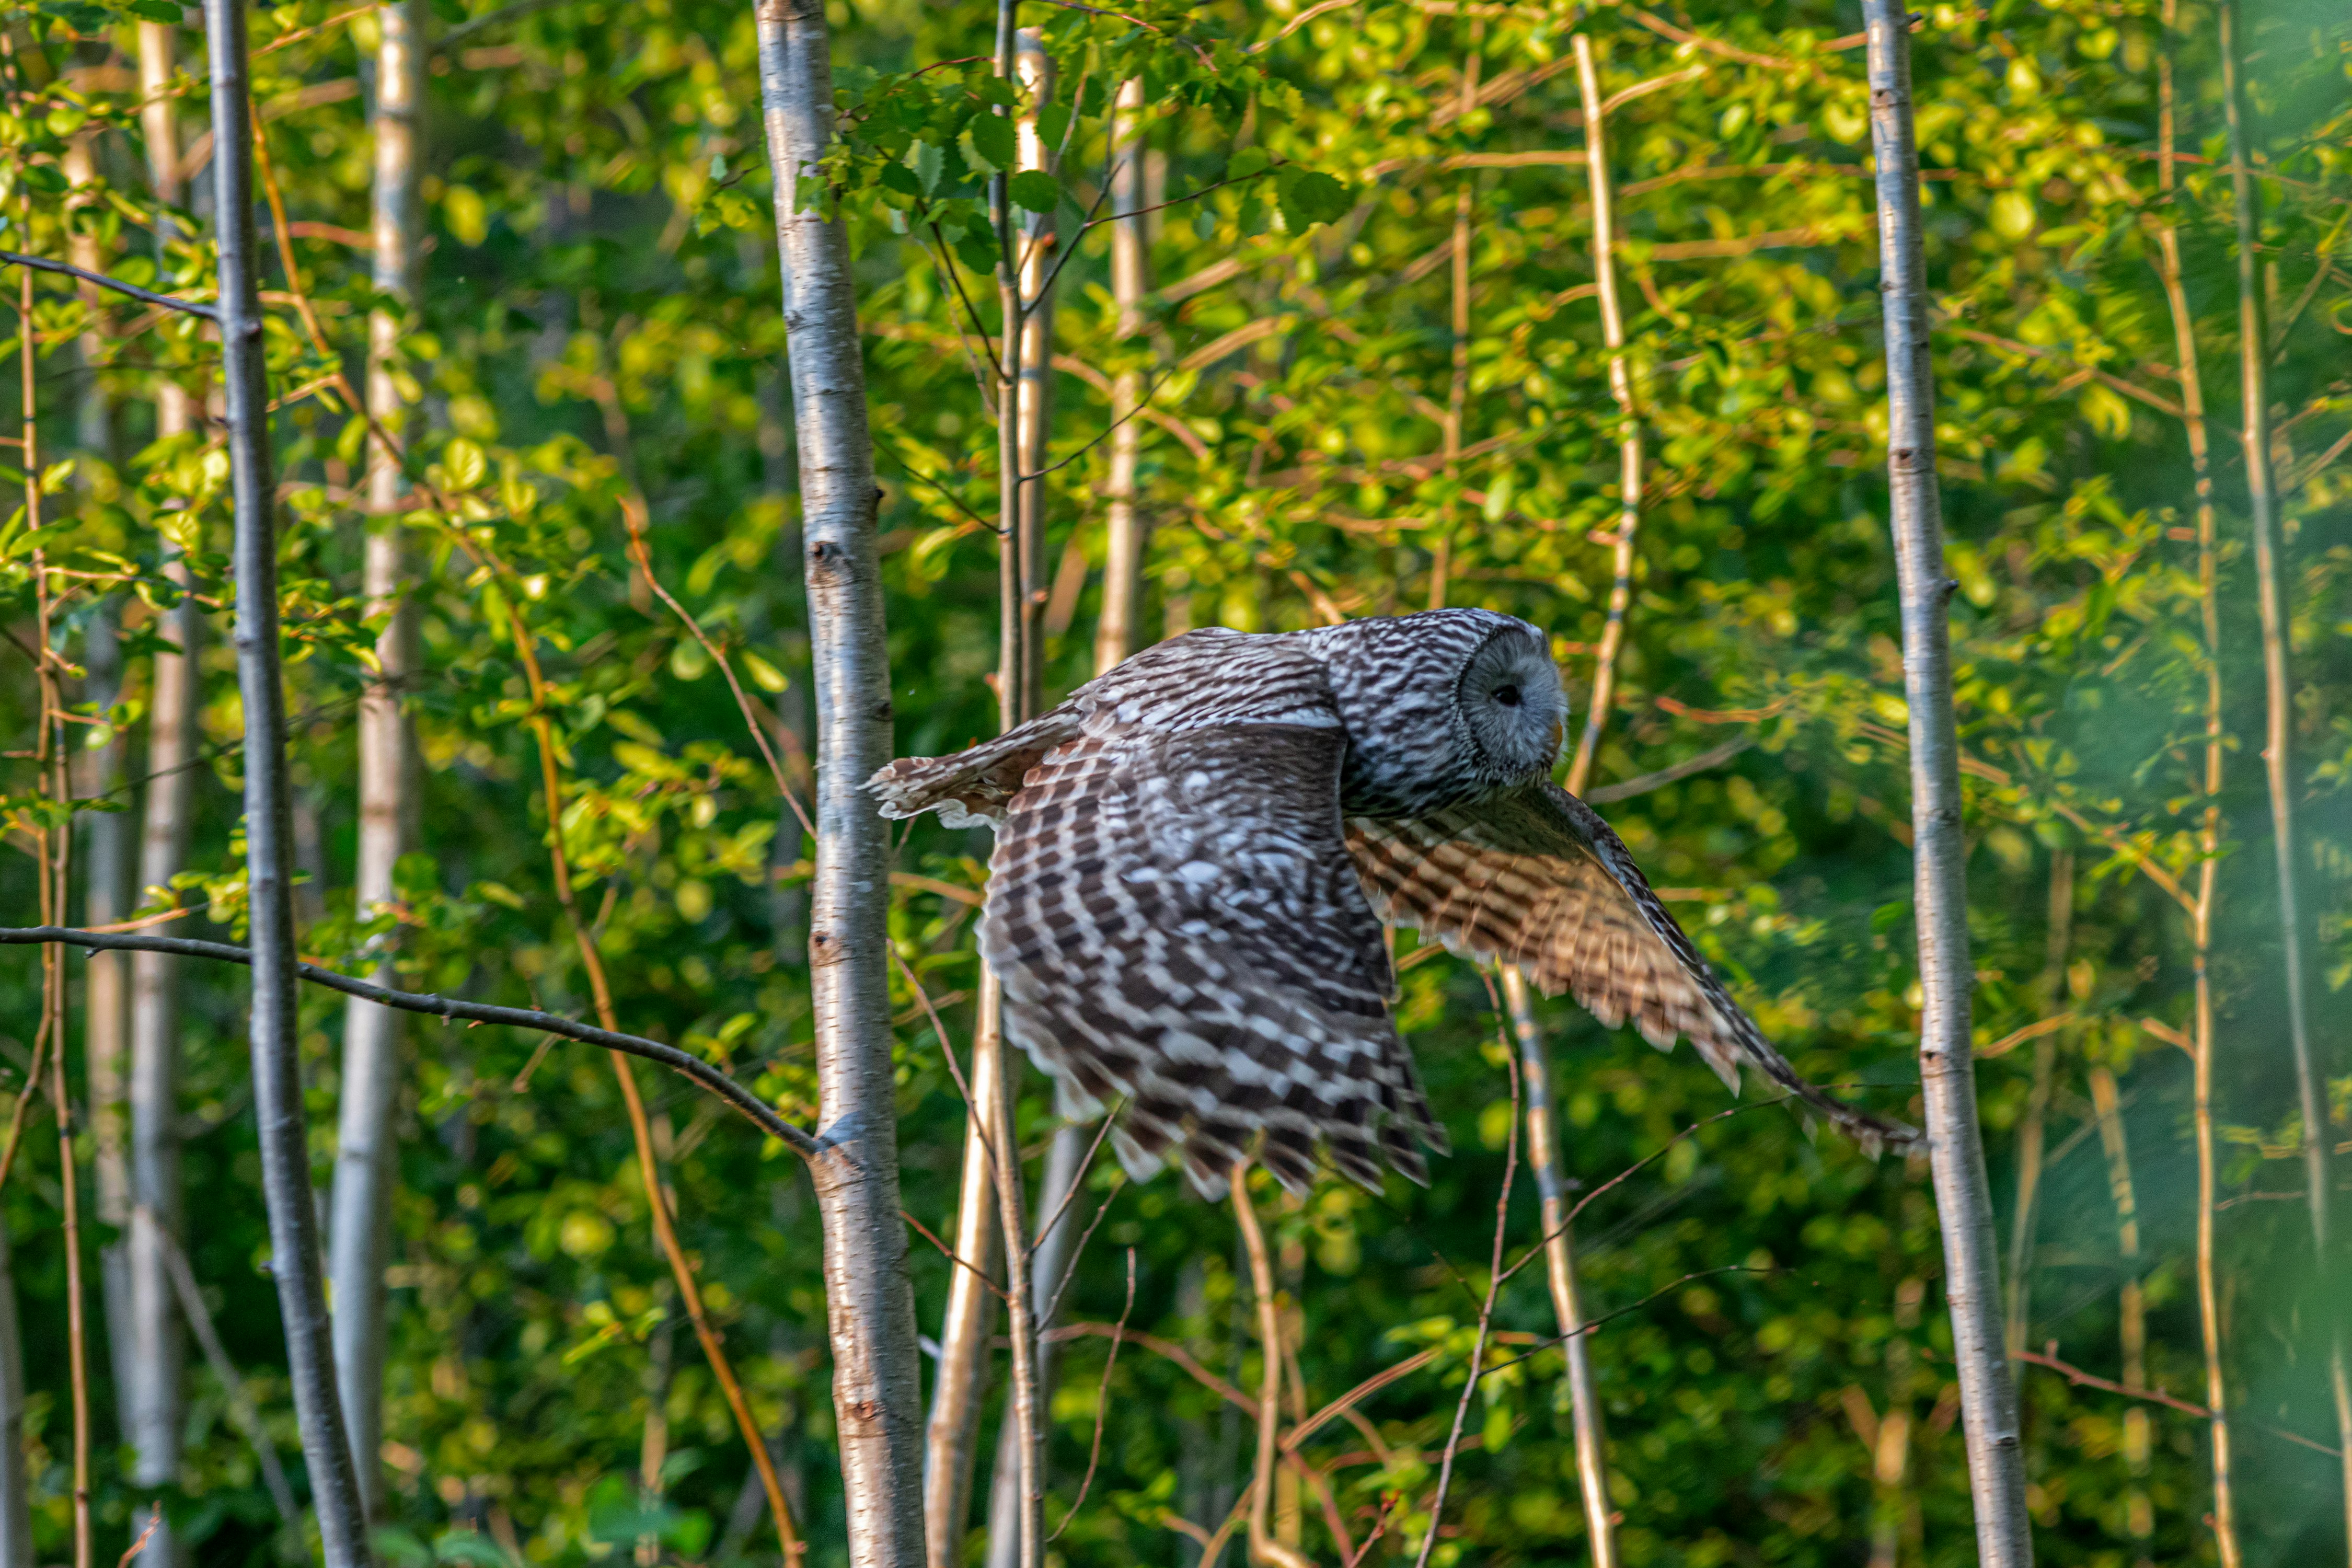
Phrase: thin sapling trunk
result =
(869, 1304)
(1956, 1145)
(366, 1159)
(276, 1028)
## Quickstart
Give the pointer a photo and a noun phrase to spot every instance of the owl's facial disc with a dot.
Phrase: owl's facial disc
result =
(1510, 699)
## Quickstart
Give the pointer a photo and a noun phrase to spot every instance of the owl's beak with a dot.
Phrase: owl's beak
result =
(1559, 734)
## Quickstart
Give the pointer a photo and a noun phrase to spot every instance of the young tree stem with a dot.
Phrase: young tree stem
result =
(869, 1302)
(276, 1036)
(366, 1159)
(1963, 1200)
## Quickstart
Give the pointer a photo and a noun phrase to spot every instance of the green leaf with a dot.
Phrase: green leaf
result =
(991, 139)
(154, 10)
(977, 249)
(901, 179)
(765, 675)
(464, 464)
(1249, 160)
(1308, 198)
(1035, 190)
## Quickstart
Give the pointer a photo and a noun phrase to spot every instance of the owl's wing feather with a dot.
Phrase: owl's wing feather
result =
(1534, 877)
(973, 786)
(1178, 925)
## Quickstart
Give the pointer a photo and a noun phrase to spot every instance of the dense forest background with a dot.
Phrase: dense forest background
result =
(1376, 377)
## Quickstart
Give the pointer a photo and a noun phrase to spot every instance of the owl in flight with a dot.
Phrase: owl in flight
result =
(1194, 854)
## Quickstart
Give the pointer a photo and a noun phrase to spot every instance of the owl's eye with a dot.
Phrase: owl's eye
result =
(1508, 696)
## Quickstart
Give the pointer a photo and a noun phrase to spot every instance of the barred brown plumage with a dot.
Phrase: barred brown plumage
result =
(1191, 850)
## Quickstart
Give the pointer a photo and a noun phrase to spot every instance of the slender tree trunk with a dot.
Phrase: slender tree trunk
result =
(1544, 1151)
(1039, 243)
(152, 1399)
(2278, 734)
(2139, 1513)
(1028, 346)
(106, 1010)
(1266, 1549)
(1955, 1145)
(276, 1031)
(960, 1385)
(870, 1307)
(1115, 632)
(1049, 1268)
(2200, 912)
(1114, 637)
(1620, 388)
(1559, 1267)
(1024, 417)
(366, 1157)
(2030, 1133)
(1457, 391)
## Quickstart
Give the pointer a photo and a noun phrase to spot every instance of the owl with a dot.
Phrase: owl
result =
(1196, 852)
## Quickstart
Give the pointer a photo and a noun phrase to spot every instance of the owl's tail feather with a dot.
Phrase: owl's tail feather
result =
(973, 786)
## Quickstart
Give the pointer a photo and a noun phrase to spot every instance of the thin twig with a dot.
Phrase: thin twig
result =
(241, 1408)
(1071, 1272)
(953, 1255)
(1356, 1395)
(1071, 1197)
(1642, 784)
(43, 264)
(633, 516)
(1485, 1313)
(1264, 1547)
(1102, 1403)
(154, 1517)
(447, 1007)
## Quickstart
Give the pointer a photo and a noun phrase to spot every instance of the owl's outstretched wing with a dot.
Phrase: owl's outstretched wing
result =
(1178, 925)
(1534, 877)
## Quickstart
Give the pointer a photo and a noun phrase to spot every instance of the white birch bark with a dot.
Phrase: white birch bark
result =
(105, 870)
(870, 1308)
(1115, 632)
(367, 1161)
(268, 810)
(1947, 1064)
(152, 1398)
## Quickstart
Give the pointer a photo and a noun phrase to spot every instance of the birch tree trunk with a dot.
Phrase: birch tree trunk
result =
(366, 1158)
(1947, 1066)
(1115, 631)
(276, 1029)
(106, 1013)
(2278, 733)
(152, 1399)
(870, 1305)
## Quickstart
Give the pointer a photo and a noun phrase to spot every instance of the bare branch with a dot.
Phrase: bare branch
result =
(43, 264)
(450, 1008)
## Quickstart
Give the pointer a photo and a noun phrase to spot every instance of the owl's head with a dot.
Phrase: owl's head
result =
(1510, 702)
(1442, 707)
